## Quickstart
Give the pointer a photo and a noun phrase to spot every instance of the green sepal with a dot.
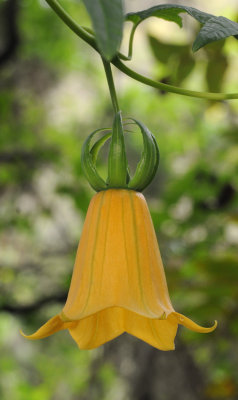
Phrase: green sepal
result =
(118, 171)
(117, 161)
(88, 165)
(157, 160)
(98, 144)
(148, 164)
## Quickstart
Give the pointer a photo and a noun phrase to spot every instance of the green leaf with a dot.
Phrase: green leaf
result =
(164, 51)
(215, 73)
(214, 28)
(176, 57)
(216, 66)
(169, 12)
(107, 19)
(185, 66)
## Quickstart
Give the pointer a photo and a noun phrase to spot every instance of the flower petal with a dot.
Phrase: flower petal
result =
(118, 240)
(188, 323)
(99, 328)
(159, 333)
(93, 331)
(54, 325)
(118, 284)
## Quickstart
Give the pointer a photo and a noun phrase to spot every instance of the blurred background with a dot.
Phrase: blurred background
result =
(53, 93)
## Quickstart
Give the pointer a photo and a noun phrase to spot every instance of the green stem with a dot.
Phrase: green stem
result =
(87, 37)
(169, 88)
(112, 90)
(130, 48)
(131, 41)
(72, 24)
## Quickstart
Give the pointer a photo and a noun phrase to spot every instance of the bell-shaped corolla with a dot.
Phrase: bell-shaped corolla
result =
(118, 283)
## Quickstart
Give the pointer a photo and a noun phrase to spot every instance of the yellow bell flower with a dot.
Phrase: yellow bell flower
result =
(118, 283)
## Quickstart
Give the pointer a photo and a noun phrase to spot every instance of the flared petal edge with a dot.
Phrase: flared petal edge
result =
(97, 329)
(52, 326)
(188, 323)
(92, 332)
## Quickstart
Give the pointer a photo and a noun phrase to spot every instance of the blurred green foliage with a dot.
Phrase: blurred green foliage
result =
(52, 95)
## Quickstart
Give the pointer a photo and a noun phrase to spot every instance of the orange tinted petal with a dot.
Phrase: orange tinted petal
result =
(97, 329)
(118, 283)
(107, 324)
(118, 262)
(159, 333)
(54, 325)
(188, 323)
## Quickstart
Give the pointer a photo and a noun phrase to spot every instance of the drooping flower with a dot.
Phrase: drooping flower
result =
(118, 283)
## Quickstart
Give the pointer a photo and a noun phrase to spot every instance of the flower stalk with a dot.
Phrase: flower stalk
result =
(111, 86)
